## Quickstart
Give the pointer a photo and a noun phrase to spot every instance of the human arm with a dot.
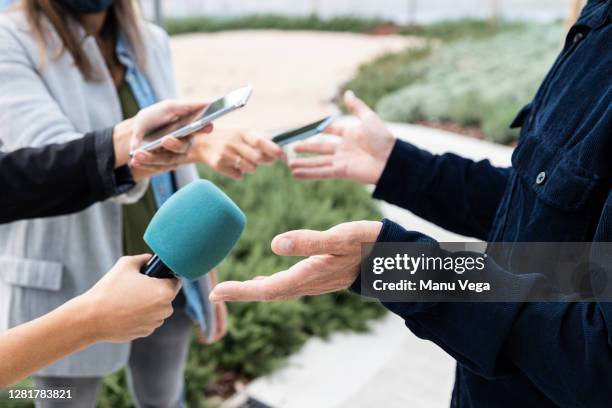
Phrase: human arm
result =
(36, 111)
(68, 177)
(122, 306)
(564, 347)
(60, 178)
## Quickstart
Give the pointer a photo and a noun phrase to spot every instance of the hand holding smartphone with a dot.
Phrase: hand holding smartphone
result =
(189, 125)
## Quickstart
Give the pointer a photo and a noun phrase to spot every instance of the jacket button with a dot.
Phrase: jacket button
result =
(578, 37)
(541, 177)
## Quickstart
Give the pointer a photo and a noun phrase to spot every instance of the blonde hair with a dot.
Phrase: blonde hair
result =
(123, 16)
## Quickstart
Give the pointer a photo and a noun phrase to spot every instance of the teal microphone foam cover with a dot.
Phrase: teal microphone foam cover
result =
(195, 229)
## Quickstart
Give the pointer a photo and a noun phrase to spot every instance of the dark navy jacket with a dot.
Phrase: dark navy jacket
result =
(558, 190)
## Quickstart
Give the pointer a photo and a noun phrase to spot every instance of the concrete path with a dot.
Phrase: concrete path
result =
(294, 74)
(388, 367)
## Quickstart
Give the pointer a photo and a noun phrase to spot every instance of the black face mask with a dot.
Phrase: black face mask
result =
(87, 6)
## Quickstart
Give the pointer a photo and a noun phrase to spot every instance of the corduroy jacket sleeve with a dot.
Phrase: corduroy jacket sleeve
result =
(565, 348)
(455, 193)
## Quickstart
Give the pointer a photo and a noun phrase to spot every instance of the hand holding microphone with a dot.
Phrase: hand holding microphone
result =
(125, 305)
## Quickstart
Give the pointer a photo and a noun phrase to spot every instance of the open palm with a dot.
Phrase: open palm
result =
(359, 154)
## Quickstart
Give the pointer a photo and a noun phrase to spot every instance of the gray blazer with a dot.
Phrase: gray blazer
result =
(45, 262)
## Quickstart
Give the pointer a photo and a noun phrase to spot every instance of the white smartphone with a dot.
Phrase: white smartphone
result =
(304, 132)
(229, 103)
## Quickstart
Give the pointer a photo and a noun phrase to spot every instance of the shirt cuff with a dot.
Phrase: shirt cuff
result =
(111, 181)
(392, 232)
(401, 179)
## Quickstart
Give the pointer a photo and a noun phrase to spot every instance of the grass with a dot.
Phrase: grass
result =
(393, 71)
(481, 83)
(201, 24)
(468, 73)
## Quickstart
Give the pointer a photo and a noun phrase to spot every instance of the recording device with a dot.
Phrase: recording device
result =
(304, 132)
(187, 126)
(192, 232)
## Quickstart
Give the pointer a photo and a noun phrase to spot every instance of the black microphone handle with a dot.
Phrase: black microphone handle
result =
(156, 268)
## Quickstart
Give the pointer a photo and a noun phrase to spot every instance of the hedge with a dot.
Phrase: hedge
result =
(262, 335)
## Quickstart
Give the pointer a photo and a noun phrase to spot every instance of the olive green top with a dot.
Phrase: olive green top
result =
(136, 216)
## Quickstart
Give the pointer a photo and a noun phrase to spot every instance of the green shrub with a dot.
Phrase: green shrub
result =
(185, 25)
(262, 335)
(386, 74)
(393, 71)
(471, 82)
(451, 30)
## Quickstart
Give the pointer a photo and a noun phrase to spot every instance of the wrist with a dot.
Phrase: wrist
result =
(122, 134)
(197, 153)
(83, 317)
(381, 161)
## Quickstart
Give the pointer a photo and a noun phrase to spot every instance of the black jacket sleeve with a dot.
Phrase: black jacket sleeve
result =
(453, 192)
(494, 338)
(60, 178)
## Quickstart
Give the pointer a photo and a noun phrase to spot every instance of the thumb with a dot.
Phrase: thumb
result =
(307, 243)
(174, 285)
(177, 108)
(137, 261)
(355, 105)
(138, 134)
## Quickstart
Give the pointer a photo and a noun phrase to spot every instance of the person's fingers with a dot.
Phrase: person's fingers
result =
(280, 285)
(230, 171)
(208, 128)
(315, 173)
(221, 322)
(355, 105)
(158, 158)
(264, 145)
(247, 291)
(241, 164)
(172, 286)
(160, 114)
(181, 108)
(248, 153)
(307, 162)
(319, 147)
(138, 133)
(174, 145)
(308, 243)
(336, 129)
(176, 285)
(136, 261)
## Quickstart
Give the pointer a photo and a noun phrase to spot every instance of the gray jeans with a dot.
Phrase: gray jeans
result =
(155, 371)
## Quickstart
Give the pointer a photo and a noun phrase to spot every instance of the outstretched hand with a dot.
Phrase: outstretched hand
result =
(333, 264)
(360, 154)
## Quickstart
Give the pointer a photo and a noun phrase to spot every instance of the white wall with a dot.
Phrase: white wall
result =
(397, 10)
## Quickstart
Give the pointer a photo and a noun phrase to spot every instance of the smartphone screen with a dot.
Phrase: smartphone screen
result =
(192, 123)
(304, 132)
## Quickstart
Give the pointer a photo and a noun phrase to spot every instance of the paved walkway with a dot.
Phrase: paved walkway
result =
(294, 74)
(388, 367)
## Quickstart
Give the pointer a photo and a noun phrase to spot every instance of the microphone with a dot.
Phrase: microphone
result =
(192, 232)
